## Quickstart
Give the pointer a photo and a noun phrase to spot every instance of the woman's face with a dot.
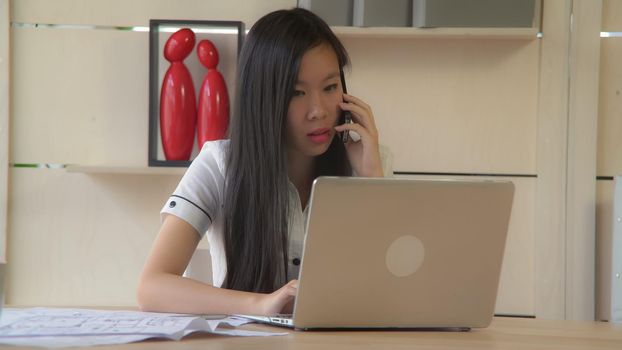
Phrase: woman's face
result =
(314, 109)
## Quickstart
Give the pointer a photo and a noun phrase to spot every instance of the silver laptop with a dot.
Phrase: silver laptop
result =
(401, 253)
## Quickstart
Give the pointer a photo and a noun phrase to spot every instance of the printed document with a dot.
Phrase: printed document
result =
(55, 327)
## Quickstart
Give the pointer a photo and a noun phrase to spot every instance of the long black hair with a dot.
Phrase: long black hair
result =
(256, 193)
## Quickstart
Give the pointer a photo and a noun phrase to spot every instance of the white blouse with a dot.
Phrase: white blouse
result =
(199, 199)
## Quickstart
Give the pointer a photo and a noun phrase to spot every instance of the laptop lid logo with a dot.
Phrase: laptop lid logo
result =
(405, 256)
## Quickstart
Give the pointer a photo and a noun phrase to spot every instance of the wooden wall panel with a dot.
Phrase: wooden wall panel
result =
(610, 108)
(445, 105)
(4, 123)
(516, 294)
(604, 235)
(81, 239)
(609, 156)
(580, 245)
(80, 96)
(612, 21)
(469, 133)
(138, 12)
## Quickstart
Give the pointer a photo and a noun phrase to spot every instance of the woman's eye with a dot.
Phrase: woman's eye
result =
(299, 93)
(331, 87)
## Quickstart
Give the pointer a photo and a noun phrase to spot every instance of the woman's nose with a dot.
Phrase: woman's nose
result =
(317, 109)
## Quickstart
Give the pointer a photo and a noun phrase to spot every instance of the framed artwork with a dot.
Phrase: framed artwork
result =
(179, 62)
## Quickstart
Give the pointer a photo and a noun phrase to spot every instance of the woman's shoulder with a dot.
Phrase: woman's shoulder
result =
(216, 147)
(214, 153)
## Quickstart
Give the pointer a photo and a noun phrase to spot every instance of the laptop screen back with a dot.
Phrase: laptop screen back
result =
(402, 253)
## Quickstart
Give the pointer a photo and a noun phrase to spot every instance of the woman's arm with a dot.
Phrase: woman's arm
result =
(162, 288)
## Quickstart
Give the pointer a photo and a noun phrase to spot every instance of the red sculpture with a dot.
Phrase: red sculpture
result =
(178, 114)
(213, 113)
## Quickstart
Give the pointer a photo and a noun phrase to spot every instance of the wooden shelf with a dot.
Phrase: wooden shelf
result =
(442, 33)
(125, 170)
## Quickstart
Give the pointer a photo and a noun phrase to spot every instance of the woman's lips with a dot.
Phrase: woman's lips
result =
(319, 135)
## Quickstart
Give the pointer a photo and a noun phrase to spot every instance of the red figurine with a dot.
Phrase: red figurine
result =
(178, 113)
(213, 113)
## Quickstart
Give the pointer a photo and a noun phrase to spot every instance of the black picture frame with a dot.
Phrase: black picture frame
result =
(227, 36)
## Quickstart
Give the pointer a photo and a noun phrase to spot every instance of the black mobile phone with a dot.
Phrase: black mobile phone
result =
(345, 117)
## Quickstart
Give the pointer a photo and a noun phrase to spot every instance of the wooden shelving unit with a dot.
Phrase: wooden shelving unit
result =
(125, 170)
(441, 33)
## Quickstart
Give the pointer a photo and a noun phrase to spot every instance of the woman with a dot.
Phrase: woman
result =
(248, 193)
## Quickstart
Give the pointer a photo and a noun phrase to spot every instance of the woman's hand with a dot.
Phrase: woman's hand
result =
(363, 155)
(279, 301)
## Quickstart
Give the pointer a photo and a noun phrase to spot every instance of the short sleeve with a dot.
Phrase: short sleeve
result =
(198, 196)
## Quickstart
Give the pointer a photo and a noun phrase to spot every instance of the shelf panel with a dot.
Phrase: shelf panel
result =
(442, 33)
(125, 170)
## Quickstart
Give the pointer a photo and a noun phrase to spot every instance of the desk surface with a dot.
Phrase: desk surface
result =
(504, 333)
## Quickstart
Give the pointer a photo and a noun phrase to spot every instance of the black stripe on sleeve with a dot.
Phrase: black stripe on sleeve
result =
(189, 201)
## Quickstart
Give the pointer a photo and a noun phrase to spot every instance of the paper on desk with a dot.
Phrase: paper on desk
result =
(52, 327)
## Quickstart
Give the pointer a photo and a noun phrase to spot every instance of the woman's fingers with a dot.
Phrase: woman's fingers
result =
(358, 128)
(274, 302)
(356, 100)
(355, 111)
(361, 112)
(291, 288)
(364, 110)
(289, 294)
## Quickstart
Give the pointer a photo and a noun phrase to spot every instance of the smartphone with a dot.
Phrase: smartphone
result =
(345, 117)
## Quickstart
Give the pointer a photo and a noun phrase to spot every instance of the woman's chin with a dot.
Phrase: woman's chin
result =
(319, 149)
